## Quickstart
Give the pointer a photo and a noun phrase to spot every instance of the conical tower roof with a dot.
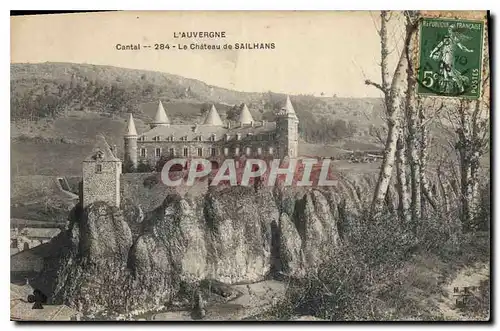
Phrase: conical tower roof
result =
(101, 151)
(131, 131)
(161, 115)
(245, 116)
(288, 108)
(213, 117)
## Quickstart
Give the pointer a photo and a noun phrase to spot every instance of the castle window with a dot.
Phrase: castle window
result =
(158, 152)
(156, 138)
(98, 168)
(172, 151)
(143, 152)
(237, 151)
(248, 151)
(259, 150)
(200, 151)
(184, 138)
(226, 137)
(213, 151)
(185, 151)
(238, 136)
(271, 151)
(142, 138)
(213, 137)
(171, 138)
(199, 138)
(226, 151)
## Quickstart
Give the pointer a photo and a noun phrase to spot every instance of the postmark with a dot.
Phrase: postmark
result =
(450, 57)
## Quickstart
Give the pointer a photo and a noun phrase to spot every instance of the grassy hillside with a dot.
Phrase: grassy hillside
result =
(57, 109)
(50, 90)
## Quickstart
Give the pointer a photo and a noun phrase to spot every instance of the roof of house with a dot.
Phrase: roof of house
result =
(101, 151)
(245, 116)
(213, 117)
(40, 251)
(161, 116)
(191, 132)
(289, 107)
(40, 232)
(131, 131)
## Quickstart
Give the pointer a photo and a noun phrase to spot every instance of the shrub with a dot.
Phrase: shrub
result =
(371, 275)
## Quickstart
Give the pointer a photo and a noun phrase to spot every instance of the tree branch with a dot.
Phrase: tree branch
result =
(377, 85)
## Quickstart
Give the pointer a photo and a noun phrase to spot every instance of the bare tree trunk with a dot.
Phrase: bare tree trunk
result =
(395, 103)
(403, 194)
(389, 199)
(444, 191)
(413, 148)
(397, 93)
(423, 160)
(464, 146)
(384, 53)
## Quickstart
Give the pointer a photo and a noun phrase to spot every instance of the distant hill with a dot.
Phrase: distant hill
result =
(58, 108)
(52, 89)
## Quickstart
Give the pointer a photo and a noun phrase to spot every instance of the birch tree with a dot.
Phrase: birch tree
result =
(394, 97)
(403, 194)
(426, 115)
(412, 121)
(470, 121)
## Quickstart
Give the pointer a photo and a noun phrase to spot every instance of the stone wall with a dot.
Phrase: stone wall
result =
(206, 147)
(103, 185)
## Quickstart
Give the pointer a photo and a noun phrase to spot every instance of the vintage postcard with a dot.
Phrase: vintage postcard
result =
(252, 166)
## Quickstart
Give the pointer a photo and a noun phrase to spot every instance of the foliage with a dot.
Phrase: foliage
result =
(373, 275)
(144, 166)
(204, 108)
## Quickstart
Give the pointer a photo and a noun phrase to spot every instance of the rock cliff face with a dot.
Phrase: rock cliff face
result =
(119, 260)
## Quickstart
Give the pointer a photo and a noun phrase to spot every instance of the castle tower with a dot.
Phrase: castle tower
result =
(130, 155)
(101, 176)
(160, 117)
(213, 118)
(287, 131)
(245, 116)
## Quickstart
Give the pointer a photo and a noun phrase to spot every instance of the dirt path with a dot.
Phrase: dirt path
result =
(252, 300)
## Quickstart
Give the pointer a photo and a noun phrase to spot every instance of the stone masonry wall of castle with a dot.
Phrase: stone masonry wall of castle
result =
(213, 139)
(102, 170)
(151, 151)
(101, 182)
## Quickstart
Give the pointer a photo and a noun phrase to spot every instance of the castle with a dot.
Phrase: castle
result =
(213, 140)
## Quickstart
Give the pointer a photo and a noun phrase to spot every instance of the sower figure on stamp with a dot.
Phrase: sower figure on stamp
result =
(444, 52)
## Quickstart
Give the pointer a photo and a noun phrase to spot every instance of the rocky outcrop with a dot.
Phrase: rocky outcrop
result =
(235, 235)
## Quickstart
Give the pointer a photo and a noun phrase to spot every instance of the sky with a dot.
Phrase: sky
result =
(315, 52)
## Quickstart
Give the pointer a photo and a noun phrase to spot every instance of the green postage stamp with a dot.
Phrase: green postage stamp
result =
(450, 58)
